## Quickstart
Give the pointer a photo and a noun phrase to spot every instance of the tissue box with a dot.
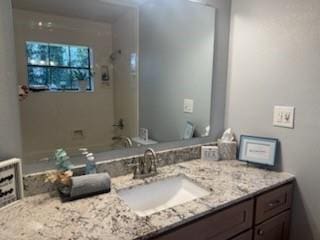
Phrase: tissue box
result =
(227, 150)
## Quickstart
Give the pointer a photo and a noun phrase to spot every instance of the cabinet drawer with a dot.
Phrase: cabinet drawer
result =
(276, 228)
(219, 226)
(244, 236)
(273, 203)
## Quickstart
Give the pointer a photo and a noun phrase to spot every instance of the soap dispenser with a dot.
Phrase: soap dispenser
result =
(84, 151)
(91, 167)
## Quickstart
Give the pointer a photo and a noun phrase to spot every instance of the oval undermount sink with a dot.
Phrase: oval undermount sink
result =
(154, 197)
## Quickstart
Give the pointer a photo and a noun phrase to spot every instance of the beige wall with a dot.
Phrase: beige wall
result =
(125, 37)
(10, 138)
(49, 118)
(275, 60)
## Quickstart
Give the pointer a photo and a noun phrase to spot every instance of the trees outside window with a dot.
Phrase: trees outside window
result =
(58, 67)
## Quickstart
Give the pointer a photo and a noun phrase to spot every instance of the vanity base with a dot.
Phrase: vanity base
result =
(265, 217)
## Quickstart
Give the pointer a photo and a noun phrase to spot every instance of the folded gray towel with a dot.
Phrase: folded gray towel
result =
(88, 185)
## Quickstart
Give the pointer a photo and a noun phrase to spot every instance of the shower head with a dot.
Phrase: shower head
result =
(114, 55)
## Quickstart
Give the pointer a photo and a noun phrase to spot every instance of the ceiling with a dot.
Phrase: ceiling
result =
(95, 10)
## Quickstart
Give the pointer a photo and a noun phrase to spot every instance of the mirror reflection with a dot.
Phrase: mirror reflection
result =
(106, 75)
(176, 58)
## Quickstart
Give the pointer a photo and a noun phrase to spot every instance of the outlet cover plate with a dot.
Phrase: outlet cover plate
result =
(283, 116)
(188, 106)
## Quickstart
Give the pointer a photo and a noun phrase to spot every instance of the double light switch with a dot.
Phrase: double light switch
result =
(283, 116)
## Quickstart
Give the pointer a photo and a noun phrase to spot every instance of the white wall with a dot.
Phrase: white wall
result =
(48, 118)
(275, 60)
(177, 47)
(10, 138)
(125, 38)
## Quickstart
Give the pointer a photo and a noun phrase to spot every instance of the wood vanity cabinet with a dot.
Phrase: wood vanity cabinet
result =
(219, 226)
(265, 217)
(277, 228)
(244, 236)
(273, 202)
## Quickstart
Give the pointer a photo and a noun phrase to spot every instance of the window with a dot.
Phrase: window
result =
(58, 67)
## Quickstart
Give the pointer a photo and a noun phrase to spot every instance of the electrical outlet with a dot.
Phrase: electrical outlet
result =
(283, 116)
(188, 106)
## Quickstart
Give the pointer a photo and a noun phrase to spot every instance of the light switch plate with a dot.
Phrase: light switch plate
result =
(283, 116)
(188, 106)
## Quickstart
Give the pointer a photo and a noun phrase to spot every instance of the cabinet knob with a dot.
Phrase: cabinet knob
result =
(274, 204)
(260, 232)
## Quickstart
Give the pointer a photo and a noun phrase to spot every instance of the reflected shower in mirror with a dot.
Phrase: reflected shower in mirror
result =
(107, 75)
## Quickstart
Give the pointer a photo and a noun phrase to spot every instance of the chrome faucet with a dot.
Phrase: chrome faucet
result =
(146, 166)
(127, 142)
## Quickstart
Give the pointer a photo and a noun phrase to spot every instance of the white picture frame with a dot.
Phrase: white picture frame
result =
(11, 182)
(144, 134)
(210, 153)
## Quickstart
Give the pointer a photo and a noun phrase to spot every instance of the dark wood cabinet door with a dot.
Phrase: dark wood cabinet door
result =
(244, 236)
(219, 226)
(276, 228)
(274, 202)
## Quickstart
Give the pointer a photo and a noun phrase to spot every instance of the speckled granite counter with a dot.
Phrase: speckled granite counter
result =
(107, 217)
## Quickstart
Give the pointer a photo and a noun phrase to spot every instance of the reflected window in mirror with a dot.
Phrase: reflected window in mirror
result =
(150, 65)
(58, 67)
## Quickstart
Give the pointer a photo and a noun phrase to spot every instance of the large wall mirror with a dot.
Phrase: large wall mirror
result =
(107, 75)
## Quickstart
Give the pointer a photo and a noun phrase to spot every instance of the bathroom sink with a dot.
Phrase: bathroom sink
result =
(154, 197)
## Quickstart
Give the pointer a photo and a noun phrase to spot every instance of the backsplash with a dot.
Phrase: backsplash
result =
(35, 183)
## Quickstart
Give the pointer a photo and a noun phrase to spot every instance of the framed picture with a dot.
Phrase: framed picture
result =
(188, 130)
(144, 134)
(210, 153)
(11, 187)
(258, 150)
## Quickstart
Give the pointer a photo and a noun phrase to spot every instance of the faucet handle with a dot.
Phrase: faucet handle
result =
(154, 167)
(132, 165)
(135, 167)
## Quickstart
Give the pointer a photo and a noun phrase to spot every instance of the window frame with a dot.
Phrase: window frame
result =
(48, 67)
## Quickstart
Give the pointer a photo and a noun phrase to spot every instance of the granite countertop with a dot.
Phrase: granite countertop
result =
(107, 217)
